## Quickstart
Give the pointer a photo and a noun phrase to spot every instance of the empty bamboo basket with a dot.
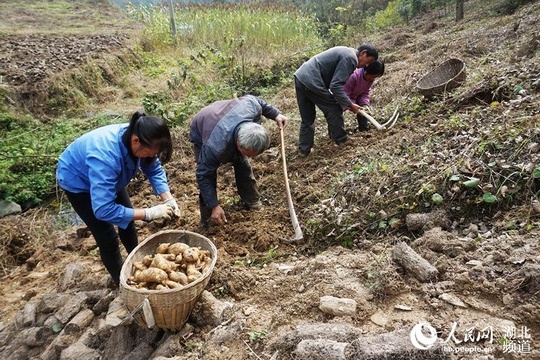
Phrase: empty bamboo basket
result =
(170, 308)
(448, 75)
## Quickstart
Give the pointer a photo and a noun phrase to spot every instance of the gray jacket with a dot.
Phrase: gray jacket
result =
(213, 133)
(328, 71)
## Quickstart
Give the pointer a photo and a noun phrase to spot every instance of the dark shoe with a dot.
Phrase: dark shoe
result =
(303, 153)
(363, 123)
(362, 128)
(342, 142)
(204, 225)
(255, 206)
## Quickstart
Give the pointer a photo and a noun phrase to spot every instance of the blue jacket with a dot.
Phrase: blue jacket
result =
(213, 132)
(99, 163)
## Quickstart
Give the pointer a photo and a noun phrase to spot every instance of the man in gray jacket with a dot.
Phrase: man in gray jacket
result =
(230, 131)
(319, 82)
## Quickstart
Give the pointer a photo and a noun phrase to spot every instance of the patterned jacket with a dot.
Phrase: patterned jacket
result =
(213, 132)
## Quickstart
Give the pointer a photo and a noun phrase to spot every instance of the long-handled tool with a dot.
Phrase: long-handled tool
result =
(298, 235)
(387, 125)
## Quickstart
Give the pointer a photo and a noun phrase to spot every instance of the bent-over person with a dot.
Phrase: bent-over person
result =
(358, 89)
(230, 131)
(94, 171)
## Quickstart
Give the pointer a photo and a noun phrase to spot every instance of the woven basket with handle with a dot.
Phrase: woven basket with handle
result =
(170, 308)
(448, 75)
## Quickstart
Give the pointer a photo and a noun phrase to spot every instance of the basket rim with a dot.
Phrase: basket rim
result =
(437, 68)
(123, 280)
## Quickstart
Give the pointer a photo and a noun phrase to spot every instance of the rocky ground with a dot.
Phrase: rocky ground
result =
(471, 271)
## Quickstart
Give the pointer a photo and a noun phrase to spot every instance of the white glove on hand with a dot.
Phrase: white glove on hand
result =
(158, 212)
(171, 202)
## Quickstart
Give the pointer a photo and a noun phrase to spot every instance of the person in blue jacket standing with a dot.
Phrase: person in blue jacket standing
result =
(230, 131)
(95, 170)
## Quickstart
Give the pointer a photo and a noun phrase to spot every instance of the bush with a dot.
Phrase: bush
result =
(386, 18)
(29, 153)
(507, 7)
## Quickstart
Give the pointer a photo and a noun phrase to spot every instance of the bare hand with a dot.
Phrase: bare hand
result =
(355, 108)
(281, 121)
(218, 215)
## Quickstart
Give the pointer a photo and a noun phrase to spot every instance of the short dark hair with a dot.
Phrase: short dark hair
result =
(370, 50)
(375, 68)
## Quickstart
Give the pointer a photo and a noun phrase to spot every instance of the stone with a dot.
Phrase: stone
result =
(320, 349)
(79, 351)
(9, 208)
(337, 306)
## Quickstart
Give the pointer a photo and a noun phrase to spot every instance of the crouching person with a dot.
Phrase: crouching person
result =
(358, 89)
(230, 131)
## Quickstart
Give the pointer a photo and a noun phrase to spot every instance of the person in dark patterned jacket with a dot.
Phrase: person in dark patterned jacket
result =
(230, 131)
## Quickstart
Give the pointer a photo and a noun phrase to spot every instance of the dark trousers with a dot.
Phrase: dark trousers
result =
(363, 122)
(246, 185)
(333, 113)
(105, 233)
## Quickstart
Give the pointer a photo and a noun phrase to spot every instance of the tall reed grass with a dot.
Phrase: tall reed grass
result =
(260, 31)
(220, 51)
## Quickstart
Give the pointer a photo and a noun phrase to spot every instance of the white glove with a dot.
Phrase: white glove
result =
(158, 212)
(171, 202)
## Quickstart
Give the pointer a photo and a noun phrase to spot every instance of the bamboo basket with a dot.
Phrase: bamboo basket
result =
(170, 308)
(448, 75)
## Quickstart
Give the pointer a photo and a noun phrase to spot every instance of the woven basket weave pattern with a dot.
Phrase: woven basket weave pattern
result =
(171, 308)
(448, 75)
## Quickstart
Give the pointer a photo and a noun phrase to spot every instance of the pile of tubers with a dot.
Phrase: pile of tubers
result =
(172, 266)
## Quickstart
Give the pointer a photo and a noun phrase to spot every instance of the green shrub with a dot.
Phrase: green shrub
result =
(29, 152)
(386, 18)
(507, 7)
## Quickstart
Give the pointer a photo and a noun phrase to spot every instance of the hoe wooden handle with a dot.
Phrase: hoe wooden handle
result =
(298, 235)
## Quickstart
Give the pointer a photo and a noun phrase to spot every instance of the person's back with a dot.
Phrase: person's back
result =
(103, 143)
(319, 72)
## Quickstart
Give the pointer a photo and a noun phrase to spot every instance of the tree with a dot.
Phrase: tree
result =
(459, 9)
(173, 23)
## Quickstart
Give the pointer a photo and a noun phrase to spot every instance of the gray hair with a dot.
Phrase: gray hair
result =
(253, 136)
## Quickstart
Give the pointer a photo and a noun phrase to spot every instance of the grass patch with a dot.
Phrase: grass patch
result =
(29, 151)
(63, 16)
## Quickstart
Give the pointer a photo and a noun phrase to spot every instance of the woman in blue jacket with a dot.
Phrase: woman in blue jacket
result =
(94, 171)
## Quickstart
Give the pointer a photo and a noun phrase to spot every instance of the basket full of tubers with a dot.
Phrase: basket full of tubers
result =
(170, 270)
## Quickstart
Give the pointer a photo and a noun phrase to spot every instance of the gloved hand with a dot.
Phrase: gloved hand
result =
(158, 212)
(171, 202)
